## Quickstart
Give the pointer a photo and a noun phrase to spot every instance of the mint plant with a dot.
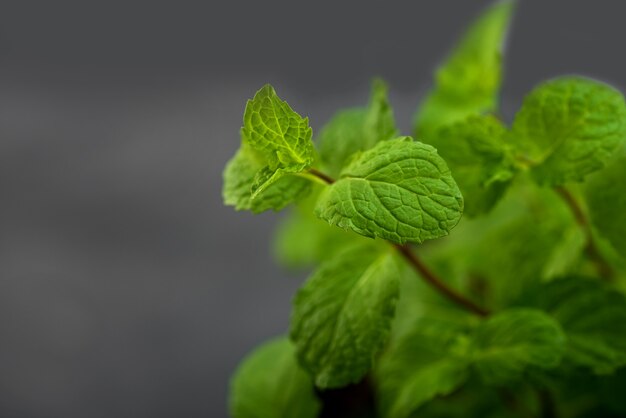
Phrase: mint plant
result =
(476, 269)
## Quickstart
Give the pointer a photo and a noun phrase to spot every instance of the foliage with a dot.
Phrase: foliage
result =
(516, 309)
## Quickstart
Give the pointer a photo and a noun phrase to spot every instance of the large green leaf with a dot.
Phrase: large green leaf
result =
(343, 314)
(468, 82)
(512, 341)
(269, 383)
(568, 128)
(400, 190)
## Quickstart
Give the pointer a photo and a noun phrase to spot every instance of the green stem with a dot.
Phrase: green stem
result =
(326, 178)
(430, 277)
(604, 268)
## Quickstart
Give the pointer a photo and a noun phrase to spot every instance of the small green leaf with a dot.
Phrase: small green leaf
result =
(568, 128)
(475, 151)
(239, 180)
(400, 190)
(512, 341)
(275, 142)
(379, 123)
(566, 254)
(468, 83)
(606, 199)
(269, 383)
(278, 133)
(358, 129)
(343, 314)
(341, 137)
(425, 363)
(593, 317)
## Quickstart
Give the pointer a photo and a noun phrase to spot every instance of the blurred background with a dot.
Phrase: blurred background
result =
(126, 288)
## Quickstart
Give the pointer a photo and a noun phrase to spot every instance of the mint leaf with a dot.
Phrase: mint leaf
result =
(468, 82)
(400, 190)
(240, 175)
(269, 383)
(423, 364)
(607, 203)
(379, 124)
(275, 142)
(341, 137)
(274, 130)
(568, 128)
(343, 314)
(593, 317)
(512, 341)
(357, 129)
(475, 151)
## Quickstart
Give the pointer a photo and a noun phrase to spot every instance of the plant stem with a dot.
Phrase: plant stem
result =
(421, 268)
(437, 283)
(322, 176)
(604, 269)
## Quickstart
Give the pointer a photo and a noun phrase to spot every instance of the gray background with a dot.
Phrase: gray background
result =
(126, 288)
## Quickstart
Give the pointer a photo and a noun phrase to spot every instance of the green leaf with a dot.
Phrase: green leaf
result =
(424, 364)
(343, 314)
(400, 190)
(240, 175)
(379, 124)
(512, 341)
(475, 151)
(269, 383)
(593, 317)
(468, 83)
(604, 193)
(358, 129)
(568, 128)
(341, 137)
(278, 133)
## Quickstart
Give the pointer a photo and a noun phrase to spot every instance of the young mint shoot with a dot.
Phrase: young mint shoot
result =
(476, 269)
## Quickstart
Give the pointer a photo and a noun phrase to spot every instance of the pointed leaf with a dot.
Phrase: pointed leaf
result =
(359, 129)
(568, 128)
(468, 83)
(343, 314)
(274, 130)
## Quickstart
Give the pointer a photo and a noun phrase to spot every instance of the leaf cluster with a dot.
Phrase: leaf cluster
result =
(515, 309)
